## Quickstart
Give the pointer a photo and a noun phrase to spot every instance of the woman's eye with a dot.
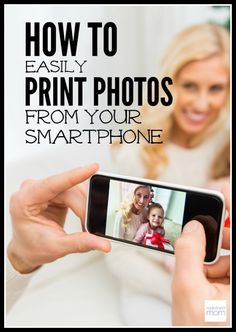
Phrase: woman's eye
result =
(216, 88)
(189, 86)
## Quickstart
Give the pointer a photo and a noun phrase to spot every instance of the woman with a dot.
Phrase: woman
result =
(196, 126)
(132, 215)
(195, 141)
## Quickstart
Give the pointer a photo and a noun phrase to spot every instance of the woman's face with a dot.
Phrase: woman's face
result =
(141, 198)
(201, 92)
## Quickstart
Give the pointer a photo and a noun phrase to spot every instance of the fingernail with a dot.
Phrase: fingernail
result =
(191, 226)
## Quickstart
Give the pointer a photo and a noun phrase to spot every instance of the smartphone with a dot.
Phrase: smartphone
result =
(152, 214)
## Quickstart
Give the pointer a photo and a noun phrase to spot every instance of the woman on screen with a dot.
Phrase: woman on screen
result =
(132, 215)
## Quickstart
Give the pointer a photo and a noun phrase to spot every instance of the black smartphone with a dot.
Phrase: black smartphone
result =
(152, 214)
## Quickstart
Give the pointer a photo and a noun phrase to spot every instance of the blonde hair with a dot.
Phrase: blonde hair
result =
(221, 165)
(197, 42)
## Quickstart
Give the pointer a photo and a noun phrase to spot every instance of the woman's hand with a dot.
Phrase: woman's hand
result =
(38, 212)
(195, 282)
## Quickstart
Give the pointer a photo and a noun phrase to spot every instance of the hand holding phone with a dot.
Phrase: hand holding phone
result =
(152, 214)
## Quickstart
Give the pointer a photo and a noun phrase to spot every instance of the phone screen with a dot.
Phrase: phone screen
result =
(150, 215)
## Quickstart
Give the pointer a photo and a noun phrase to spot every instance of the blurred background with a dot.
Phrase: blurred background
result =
(79, 290)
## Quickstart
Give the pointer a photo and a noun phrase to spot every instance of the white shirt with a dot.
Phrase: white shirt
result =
(185, 166)
(15, 284)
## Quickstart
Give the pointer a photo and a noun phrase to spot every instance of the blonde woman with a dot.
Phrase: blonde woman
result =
(132, 214)
(195, 150)
(196, 125)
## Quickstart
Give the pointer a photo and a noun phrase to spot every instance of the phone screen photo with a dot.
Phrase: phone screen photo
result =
(150, 215)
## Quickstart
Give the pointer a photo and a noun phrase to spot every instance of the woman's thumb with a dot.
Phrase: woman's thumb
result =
(190, 250)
